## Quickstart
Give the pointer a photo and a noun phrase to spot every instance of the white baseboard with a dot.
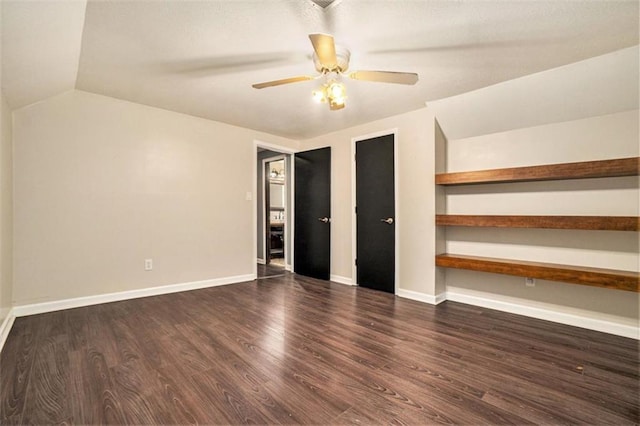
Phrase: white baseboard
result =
(261, 261)
(340, 280)
(288, 267)
(57, 305)
(422, 297)
(5, 327)
(548, 315)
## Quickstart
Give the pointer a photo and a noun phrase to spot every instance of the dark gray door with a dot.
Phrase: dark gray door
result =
(375, 214)
(312, 239)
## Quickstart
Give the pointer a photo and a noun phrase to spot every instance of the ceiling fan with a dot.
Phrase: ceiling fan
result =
(331, 62)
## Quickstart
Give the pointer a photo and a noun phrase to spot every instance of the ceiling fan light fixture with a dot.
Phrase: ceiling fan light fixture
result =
(336, 90)
(333, 105)
(341, 57)
(332, 61)
(333, 92)
(320, 95)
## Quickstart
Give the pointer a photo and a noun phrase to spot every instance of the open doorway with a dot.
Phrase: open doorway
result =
(307, 215)
(275, 213)
(273, 206)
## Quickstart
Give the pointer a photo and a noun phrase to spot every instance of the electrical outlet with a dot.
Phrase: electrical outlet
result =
(530, 282)
(148, 264)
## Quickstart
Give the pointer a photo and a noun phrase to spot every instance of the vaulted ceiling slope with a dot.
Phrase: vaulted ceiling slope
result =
(597, 86)
(40, 48)
(201, 57)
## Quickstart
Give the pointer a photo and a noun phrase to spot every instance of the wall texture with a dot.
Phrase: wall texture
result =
(415, 195)
(102, 184)
(6, 209)
(604, 137)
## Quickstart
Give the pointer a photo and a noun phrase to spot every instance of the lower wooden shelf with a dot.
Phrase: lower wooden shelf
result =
(597, 277)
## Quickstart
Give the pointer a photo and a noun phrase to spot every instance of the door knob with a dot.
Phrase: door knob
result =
(388, 220)
(324, 219)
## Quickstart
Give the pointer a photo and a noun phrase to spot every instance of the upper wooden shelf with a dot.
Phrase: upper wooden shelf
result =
(582, 170)
(596, 223)
(597, 277)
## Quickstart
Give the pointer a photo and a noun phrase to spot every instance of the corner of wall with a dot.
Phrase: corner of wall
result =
(6, 208)
(440, 155)
(5, 325)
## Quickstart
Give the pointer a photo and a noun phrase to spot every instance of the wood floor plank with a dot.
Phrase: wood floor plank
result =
(77, 328)
(534, 411)
(256, 393)
(297, 392)
(138, 406)
(16, 362)
(417, 394)
(181, 401)
(174, 388)
(46, 401)
(295, 350)
(222, 393)
(99, 382)
(82, 400)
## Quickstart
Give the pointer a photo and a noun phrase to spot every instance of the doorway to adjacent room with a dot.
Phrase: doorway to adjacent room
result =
(292, 211)
(273, 205)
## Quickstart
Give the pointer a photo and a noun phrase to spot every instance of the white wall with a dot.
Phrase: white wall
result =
(6, 209)
(604, 137)
(101, 184)
(416, 211)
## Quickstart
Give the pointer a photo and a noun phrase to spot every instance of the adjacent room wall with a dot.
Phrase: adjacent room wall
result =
(6, 209)
(596, 138)
(415, 223)
(260, 203)
(103, 184)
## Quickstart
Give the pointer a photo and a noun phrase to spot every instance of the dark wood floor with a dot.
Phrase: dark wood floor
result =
(296, 350)
(270, 270)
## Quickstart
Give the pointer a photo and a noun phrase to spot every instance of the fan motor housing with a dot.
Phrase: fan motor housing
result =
(342, 54)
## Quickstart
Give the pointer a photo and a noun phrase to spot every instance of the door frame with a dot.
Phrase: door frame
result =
(285, 150)
(354, 217)
(264, 205)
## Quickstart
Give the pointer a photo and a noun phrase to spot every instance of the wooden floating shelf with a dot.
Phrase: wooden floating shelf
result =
(597, 277)
(596, 223)
(582, 170)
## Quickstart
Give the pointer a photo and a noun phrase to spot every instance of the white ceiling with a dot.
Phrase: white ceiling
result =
(201, 57)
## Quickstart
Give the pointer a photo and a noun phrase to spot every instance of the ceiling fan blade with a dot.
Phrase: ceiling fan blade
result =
(386, 76)
(217, 65)
(325, 49)
(283, 81)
